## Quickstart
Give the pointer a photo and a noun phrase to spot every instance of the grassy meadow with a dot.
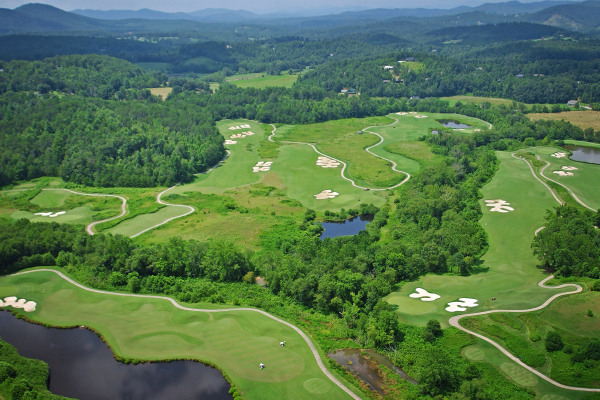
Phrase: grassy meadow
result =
(153, 329)
(582, 119)
(262, 80)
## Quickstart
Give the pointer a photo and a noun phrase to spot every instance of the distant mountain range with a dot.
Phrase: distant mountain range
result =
(578, 16)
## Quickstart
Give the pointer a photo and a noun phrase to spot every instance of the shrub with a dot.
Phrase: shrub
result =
(554, 341)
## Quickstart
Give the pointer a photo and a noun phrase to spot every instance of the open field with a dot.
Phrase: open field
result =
(582, 119)
(153, 329)
(476, 99)
(262, 80)
(162, 92)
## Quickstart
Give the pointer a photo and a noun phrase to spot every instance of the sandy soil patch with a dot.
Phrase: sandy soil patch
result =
(262, 166)
(412, 112)
(402, 113)
(568, 168)
(424, 295)
(50, 214)
(499, 206)
(12, 301)
(461, 305)
(420, 116)
(237, 127)
(563, 173)
(326, 194)
(227, 141)
(559, 154)
(477, 130)
(242, 135)
(327, 162)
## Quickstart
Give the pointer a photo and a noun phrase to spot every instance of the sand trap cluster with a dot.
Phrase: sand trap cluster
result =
(424, 295)
(242, 135)
(327, 162)
(499, 206)
(227, 141)
(262, 166)
(51, 214)
(402, 113)
(237, 127)
(563, 173)
(568, 168)
(326, 194)
(559, 155)
(27, 306)
(461, 305)
(420, 116)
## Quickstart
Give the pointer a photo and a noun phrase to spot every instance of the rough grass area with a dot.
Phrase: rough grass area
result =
(261, 81)
(477, 99)
(582, 119)
(162, 92)
(153, 329)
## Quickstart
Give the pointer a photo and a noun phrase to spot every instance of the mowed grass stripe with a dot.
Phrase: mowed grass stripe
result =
(236, 341)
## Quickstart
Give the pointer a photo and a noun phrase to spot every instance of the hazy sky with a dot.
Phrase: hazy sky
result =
(260, 6)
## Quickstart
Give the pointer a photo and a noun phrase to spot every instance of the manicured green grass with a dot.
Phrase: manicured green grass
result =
(51, 198)
(132, 226)
(152, 329)
(585, 182)
(511, 275)
(341, 140)
(261, 81)
(79, 215)
(582, 143)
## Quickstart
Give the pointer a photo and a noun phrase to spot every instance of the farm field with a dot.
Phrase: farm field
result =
(477, 99)
(262, 80)
(162, 92)
(582, 119)
(153, 329)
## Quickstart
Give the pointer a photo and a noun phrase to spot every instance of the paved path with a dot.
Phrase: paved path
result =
(558, 183)
(344, 165)
(90, 228)
(177, 305)
(455, 321)
(159, 201)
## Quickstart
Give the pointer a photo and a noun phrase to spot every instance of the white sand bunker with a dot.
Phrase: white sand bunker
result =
(499, 206)
(227, 141)
(412, 112)
(327, 162)
(402, 113)
(424, 295)
(461, 305)
(568, 168)
(559, 155)
(326, 194)
(476, 130)
(27, 306)
(563, 173)
(237, 127)
(420, 116)
(51, 214)
(242, 135)
(262, 166)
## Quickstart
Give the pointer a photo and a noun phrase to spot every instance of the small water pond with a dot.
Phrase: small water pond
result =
(82, 366)
(345, 228)
(450, 123)
(584, 154)
(367, 367)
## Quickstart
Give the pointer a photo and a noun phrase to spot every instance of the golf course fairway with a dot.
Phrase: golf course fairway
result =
(151, 328)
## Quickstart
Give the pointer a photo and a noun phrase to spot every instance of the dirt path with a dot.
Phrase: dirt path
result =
(177, 305)
(90, 227)
(344, 165)
(455, 321)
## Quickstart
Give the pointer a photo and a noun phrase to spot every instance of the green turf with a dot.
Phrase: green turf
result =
(79, 215)
(51, 198)
(582, 143)
(585, 182)
(512, 276)
(132, 226)
(152, 329)
(261, 81)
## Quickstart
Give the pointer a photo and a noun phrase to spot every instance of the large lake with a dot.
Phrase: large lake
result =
(345, 228)
(585, 154)
(82, 366)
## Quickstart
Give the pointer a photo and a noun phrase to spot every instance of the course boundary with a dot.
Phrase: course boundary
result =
(344, 165)
(177, 305)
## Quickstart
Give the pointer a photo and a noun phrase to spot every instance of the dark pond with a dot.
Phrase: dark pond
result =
(345, 228)
(82, 366)
(450, 123)
(367, 368)
(585, 154)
